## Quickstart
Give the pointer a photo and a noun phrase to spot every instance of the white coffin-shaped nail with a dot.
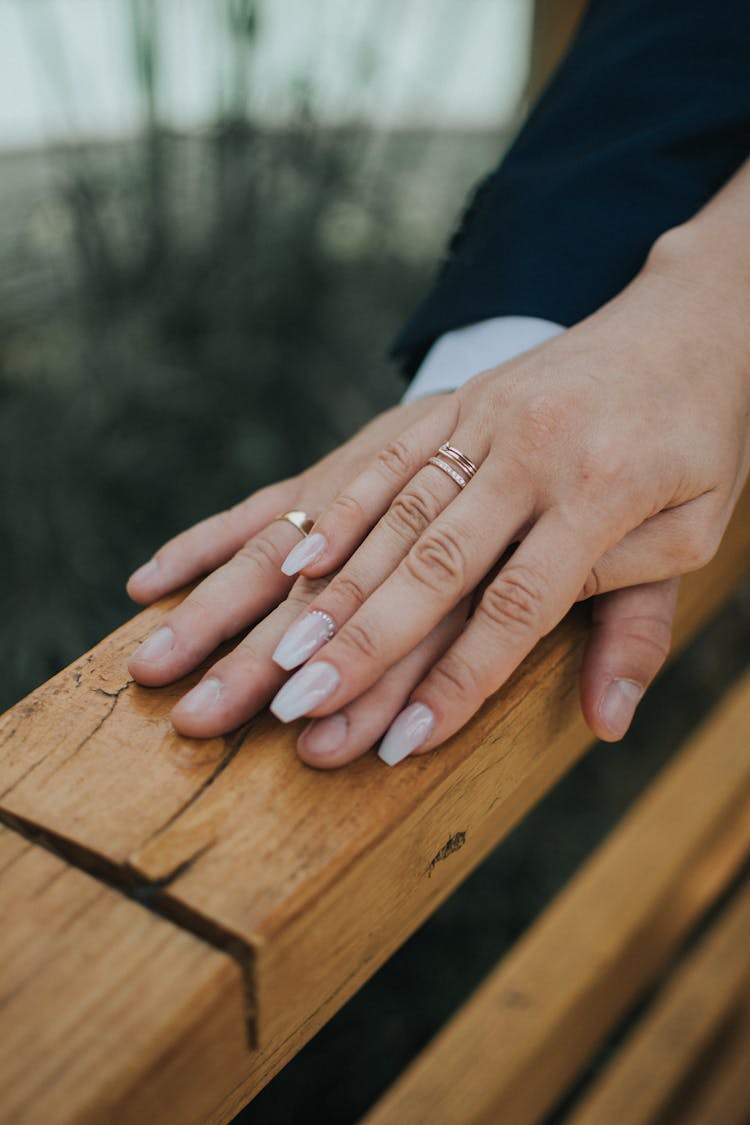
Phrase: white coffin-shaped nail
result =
(303, 638)
(306, 689)
(305, 552)
(406, 733)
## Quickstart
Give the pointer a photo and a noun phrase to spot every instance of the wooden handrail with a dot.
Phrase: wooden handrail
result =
(308, 880)
(516, 1045)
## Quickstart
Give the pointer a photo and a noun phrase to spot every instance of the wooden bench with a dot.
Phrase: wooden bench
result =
(180, 917)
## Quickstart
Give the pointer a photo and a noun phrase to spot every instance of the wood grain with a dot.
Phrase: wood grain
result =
(724, 1098)
(316, 876)
(106, 1010)
(679, 1031)
(517, 1043)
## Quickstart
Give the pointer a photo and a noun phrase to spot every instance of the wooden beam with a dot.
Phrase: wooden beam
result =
(317, 877)
(680, 1031)
(513, 1048)
(107, 1010)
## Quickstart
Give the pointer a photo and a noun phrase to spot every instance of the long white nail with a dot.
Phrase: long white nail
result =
(303, 638)
(406, 733)
(305, 552)
(202, 699)
(618, 705)
(157, 646)
(306, 689)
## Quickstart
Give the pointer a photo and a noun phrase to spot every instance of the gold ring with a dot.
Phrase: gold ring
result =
(460, 458)
(456, 464)
(300, 519)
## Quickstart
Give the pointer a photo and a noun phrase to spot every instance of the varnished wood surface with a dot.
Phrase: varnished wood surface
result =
(315, 877)
(104, 1007)
(514, 1047)
(684, 1027)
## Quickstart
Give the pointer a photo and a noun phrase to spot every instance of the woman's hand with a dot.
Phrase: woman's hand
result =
(241, 551)
(242, 548)
(611, 456)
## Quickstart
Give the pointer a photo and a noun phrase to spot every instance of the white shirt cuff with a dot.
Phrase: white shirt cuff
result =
(458, 356)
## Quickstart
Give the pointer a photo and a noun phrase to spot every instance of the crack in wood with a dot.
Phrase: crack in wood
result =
(232, 752)
(114, 696)
(151, 895)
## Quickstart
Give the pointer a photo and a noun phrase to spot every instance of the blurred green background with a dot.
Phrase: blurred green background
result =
(214, 214)
(208, 237)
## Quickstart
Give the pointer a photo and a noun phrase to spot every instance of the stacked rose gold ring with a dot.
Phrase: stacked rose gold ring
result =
(455, 463)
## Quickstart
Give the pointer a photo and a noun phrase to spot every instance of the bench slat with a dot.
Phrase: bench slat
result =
(696, 1005)
(725, 1099)
(513, 1048)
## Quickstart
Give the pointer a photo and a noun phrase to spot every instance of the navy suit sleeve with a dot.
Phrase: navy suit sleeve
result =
(647, 116)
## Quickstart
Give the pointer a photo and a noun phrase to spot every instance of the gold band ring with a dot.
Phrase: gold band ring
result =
(466, 464)
(300, 519)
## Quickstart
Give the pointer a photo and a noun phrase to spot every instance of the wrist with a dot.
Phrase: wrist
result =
(709, 277)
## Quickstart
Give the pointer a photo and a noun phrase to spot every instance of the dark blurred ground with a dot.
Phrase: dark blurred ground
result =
(184, 321)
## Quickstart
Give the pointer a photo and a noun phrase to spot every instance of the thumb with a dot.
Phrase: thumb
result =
(629, 642)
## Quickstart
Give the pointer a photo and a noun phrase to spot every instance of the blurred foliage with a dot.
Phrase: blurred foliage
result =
(226, 305)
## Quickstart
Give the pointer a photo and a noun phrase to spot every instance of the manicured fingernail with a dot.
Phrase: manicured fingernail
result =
(326, 735)
(306, 689)
(202, 699)
(145, 572)
(303, 638)
(305, 552)
(157, 646)
(406, 733)
(618, 705)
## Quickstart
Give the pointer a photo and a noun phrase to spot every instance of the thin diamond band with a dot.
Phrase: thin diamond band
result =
(441, 464)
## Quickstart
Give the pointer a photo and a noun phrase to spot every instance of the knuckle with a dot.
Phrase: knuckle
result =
(346, 508)
(305, 589)
(396, 461)
(438, 561)
(361, 640)
(654, 634)
(348, 590)
(454, 680)
(409, 514)
(261, 553)
(514, 600)
(606, 468)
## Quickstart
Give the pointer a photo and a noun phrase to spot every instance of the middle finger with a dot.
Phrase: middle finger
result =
(446, 562)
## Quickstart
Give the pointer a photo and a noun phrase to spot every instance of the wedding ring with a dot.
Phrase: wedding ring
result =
(466, 464)
(441, 464)
(300, 519)
(456, 464)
